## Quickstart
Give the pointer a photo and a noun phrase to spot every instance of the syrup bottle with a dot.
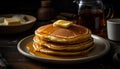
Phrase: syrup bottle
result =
(91, 15)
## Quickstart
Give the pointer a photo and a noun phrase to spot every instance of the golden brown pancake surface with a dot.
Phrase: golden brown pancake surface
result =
(54, 52)
(73, 34)
(64, 47)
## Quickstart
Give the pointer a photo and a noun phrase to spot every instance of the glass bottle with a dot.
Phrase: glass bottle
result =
(91, 15)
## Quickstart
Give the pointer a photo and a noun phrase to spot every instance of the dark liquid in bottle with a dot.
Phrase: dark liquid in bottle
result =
(94, 20)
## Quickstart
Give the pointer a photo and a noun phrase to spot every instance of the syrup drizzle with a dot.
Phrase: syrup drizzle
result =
(37, 53)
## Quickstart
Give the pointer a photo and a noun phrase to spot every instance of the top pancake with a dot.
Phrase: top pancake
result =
(73, 34)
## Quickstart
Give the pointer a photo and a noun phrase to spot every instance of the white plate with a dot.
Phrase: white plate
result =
(102, 47)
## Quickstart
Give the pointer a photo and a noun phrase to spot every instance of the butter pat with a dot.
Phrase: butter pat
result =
(11, 21)
(63, 23)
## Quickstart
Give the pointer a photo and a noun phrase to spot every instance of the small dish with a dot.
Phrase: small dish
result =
(102, 47)
(14, 29)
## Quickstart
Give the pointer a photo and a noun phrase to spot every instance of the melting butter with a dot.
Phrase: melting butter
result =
(63, 23)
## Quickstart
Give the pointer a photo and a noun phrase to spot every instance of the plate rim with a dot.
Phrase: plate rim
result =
(105, 51)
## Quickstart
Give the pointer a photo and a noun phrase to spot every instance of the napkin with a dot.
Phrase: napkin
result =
(116, 51)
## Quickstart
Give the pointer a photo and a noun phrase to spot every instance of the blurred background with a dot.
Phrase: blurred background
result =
(32, 6)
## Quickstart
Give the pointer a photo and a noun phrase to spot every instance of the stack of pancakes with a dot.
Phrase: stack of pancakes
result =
(63, 40)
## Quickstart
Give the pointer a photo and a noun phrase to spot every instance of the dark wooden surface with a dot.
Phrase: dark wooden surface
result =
(8, 47)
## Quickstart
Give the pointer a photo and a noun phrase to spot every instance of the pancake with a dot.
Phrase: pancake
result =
(64, 53)
(73, 34)
(63, 47)
(63, 38)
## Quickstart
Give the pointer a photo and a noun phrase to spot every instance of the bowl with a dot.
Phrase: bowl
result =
(18, 28)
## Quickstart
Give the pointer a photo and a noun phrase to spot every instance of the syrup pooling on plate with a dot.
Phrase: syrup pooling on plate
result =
(37, 53)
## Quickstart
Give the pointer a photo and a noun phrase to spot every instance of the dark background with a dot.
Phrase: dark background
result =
(31, 6)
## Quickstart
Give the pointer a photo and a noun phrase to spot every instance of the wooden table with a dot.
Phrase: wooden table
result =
(8, 46)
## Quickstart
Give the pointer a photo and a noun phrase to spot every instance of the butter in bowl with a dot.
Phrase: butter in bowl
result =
(15, 23)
